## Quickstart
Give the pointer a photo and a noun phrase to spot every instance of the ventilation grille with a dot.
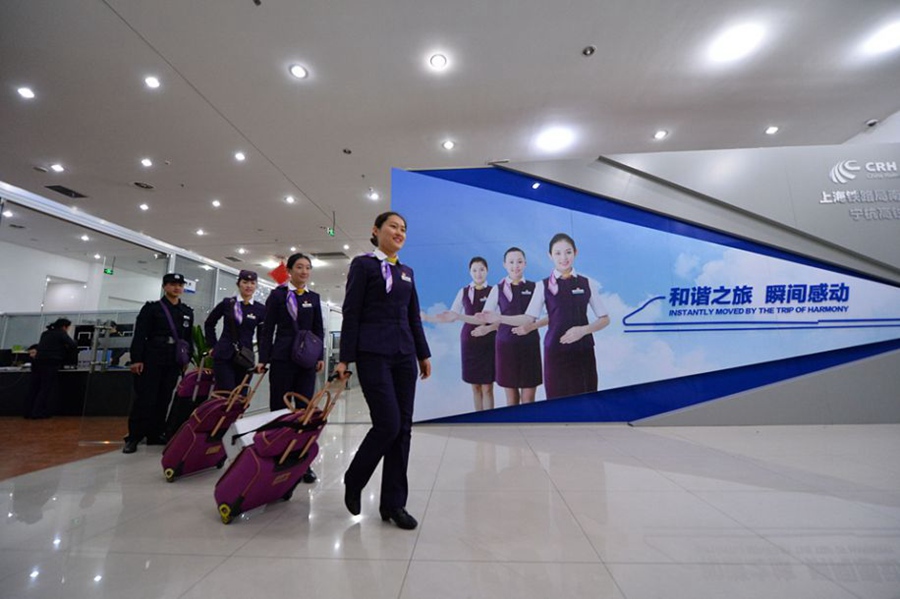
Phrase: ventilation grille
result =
(233, 259)
(69, 193)
(332, 256)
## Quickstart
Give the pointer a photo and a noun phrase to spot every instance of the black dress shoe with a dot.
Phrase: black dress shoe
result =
(352, 500)
(400, 517)
(160, 440)
(310, 477)
(130, 446)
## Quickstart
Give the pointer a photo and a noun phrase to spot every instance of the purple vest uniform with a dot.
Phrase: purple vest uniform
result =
(568, 369)
(517, 357)
(477, 352)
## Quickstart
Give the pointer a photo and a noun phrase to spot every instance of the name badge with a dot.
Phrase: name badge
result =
(306, 305)
(526, 292)
(251, 316)
(578, 291)
(483, 299)
(406, 277)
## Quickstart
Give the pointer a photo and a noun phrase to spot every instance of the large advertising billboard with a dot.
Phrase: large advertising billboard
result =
(532, 292)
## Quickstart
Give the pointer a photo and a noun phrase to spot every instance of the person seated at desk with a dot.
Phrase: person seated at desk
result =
(52, 352)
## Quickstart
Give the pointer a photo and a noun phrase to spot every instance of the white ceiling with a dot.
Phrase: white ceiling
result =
(516, 68)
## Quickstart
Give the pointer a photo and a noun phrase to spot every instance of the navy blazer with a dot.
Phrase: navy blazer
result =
(252, 322)
(379, 322)
(279, 324)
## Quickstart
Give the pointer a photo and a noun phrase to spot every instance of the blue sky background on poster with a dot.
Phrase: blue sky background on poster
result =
(450, 222)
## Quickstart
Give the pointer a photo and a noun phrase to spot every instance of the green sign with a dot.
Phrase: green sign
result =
(107, 271)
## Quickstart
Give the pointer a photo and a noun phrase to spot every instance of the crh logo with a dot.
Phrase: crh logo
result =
(844, 171)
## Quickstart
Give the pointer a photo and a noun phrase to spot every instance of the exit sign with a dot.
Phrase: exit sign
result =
(107, 271)
(330, 231)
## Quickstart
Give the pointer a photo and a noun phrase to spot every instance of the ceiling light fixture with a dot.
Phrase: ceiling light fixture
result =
(736, 42)
(438, 62)
(555, 139)
(144, 207)
(535, 185)
(97, 256)
(661, 134)
(57, 168)
(448, 145)
(293, 248)
(152, 82)
(26, 92)
(299, 71)
(289, 199)
(884, 40)
(240, 156)
(85, 238)
(216, 203)
(147, 162)
(241, 251)
(201, 232)
(7, 213)
(771, 130)
(346, 247)
(372, 195)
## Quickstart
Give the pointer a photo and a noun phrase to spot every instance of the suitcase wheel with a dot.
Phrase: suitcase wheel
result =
(225, 513)
(170, 475)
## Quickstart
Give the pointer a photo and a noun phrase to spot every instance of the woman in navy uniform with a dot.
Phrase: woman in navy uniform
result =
(476, 340)
(243, 316)
(52, 350)
(518, 352)
(382, 332)
(153, 362)
(289, 304)
(570, 365)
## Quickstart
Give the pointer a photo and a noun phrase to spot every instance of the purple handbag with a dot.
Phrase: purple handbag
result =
(307, 349)
(182, 347)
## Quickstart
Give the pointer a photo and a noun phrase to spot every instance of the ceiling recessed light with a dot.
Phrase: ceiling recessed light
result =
(241, 251)
(448, 145)
(884, 40)
(7, 213)
(535, 186)
(737, 42)
(771, 130)
(589, 50)
(555, 139)
(144, 207)
(216, 203)
(438, 62)
(85, 238)
(152, 82)
(146, 162)
(26, 92)
(299, 71)
(293, 248)
(240, 156)
(57, 168)
(372, 195)
(201, 232)
(661, 134)
(346, 247)
(97, 256)
(289, 199)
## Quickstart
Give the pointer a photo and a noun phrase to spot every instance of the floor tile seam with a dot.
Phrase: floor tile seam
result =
(578, 523)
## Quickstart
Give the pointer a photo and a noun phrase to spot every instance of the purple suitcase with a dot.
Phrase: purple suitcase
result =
(282, 450)
(197, 445)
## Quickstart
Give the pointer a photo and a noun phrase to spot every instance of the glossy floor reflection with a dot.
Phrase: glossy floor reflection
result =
(505, 511)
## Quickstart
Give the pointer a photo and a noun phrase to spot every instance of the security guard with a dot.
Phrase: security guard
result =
(153, 362)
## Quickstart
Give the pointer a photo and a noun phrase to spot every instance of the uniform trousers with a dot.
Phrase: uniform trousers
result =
(228, 376)
(286, 376)
(389, 386)
(43, 391)
(153, 393)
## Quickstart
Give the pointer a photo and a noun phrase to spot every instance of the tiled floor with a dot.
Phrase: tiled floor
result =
(505, 511)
